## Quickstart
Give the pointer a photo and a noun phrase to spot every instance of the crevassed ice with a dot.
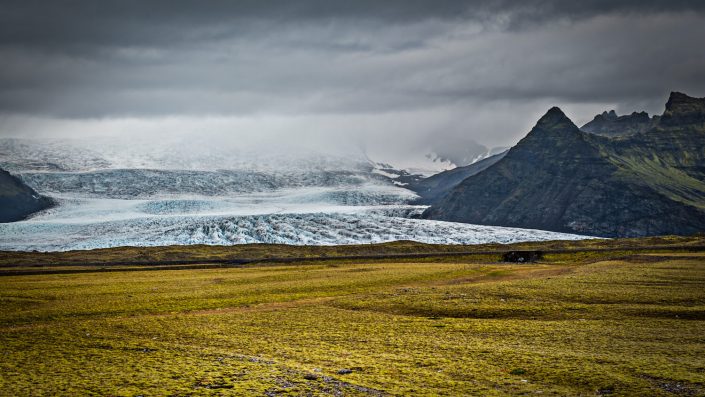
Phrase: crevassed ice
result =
(370, 225)
(318, 201)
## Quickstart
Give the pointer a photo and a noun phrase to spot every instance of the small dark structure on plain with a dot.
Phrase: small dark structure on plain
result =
(522, 256)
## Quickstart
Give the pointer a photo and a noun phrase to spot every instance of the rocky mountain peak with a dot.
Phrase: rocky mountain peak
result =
(682, 109)
(611, 115)
(610, 124)
(643, 116)
(554, 124)
(677, 98)
(554, 119)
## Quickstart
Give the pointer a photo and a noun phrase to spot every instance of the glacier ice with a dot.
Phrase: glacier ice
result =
(107, 201)
(338, 225)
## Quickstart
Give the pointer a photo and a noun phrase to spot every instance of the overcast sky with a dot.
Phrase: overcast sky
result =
(404, 73)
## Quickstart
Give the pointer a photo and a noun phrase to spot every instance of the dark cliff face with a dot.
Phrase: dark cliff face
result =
(683, 110)
(609, 124)
(17, 200)
(560, 178)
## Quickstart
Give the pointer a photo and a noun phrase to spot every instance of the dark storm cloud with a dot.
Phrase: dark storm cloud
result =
(456, 62)
(69, 24)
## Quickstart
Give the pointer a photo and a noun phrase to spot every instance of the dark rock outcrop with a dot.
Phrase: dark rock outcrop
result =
(609, 124)
(17, 200)
(562, 179)
(683, 110)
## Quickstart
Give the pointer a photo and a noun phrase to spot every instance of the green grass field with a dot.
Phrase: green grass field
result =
(585, 323)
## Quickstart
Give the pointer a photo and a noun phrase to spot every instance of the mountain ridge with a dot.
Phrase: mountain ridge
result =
(563, 179)
(611, 125)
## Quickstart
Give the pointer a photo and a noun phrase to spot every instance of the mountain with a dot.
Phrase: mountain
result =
(563, 179)
(17, 200)
(609, 124)
(435, 187)
(682, 110)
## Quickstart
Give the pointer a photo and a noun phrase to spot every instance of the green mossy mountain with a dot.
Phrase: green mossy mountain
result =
(17, 200)
(563, 179)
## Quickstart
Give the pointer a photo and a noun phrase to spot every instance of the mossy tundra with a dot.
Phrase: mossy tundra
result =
(607, 323)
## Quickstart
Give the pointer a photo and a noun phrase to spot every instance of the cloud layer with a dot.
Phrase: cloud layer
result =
(381, 72)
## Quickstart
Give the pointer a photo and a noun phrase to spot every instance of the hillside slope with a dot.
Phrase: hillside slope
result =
(435, 187)
(17, 200)
(560, 178)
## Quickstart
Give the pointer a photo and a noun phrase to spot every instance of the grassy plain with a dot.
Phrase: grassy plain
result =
(583, 323)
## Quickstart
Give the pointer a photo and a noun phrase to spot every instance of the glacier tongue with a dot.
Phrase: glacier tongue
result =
(357, 226)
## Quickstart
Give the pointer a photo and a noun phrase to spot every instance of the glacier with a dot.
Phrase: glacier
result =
(106, 200)
(326, 226)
